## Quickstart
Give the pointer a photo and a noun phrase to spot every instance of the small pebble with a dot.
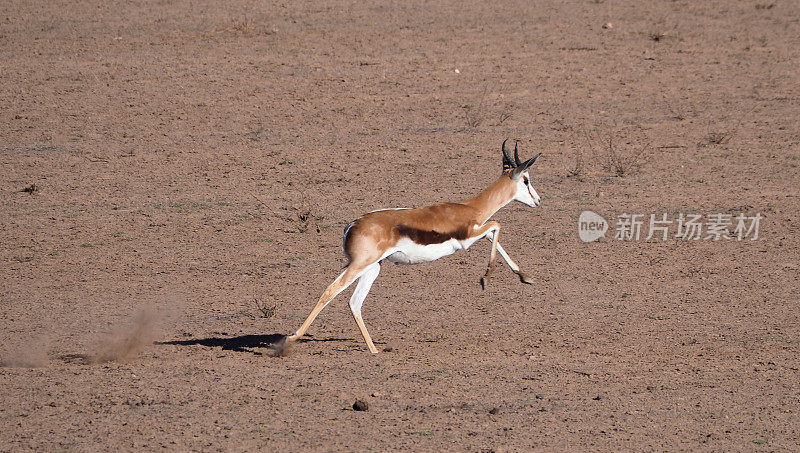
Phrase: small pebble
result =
(360, 405)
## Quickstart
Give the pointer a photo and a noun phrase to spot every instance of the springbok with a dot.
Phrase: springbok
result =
(420, 235)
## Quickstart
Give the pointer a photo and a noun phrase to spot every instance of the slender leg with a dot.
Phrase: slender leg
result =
(340, 284)
(493, 229)
(523, 277)
(357, 300)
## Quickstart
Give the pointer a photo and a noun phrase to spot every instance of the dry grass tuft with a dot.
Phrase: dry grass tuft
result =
(266, 310)
(577, 170)
(718, 138)
(620, 164)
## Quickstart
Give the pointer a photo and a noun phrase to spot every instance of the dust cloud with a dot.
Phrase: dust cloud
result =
(33, 354)
(124, 344)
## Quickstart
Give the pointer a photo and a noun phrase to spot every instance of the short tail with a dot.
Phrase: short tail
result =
(344, 242)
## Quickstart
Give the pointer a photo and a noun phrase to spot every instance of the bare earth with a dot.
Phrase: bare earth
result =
(185, 160)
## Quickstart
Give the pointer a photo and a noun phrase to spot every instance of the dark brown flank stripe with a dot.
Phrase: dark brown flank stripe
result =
(428, 237)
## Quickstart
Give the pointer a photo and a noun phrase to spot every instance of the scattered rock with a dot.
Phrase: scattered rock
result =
(388, 349)
(597, 398)
(608, 25)
(360, 405)
(494, 411)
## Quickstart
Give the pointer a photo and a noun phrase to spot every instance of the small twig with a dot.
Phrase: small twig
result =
(265, 205)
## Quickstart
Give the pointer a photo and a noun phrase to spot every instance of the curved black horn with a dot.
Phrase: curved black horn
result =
(516, 155)
(507, 162)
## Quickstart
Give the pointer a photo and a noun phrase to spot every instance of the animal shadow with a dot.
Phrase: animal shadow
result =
(275, 343)
(242, 343)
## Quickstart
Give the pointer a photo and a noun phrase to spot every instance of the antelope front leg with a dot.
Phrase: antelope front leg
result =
(523, 277)
(493, 229)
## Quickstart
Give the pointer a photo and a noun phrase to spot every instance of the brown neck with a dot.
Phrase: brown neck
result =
(499, 194)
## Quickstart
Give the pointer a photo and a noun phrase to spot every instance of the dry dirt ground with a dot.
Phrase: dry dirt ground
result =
(165, 165)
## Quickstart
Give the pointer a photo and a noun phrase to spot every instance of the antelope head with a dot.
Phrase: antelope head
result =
(518, 172)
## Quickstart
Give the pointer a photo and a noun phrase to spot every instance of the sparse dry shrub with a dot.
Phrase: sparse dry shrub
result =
(611, 158)
(473, 115)
(577, 169)
(266, 310)
(621, 163)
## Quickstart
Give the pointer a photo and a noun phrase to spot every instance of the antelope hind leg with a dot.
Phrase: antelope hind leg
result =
(357, 300)
(340, 284)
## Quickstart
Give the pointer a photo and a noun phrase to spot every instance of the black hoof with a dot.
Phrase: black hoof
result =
(525, 279)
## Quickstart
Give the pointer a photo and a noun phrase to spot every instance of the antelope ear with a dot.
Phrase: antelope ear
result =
(522, 168)
(530, 161)
(508, 164)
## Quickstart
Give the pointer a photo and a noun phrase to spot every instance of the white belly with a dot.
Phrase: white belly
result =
(409, 252)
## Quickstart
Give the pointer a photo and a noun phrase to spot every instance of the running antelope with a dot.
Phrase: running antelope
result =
(419, 235)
